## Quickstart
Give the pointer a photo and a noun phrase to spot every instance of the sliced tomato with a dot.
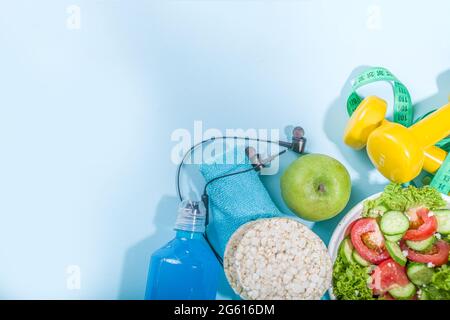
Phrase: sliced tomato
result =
(373, 240)
(422, 224)
(368, 241)
(414, 220)
(349, 228)
(437, 255)
(388, 275)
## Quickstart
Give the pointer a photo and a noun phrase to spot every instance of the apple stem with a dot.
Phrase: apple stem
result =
(321, 188)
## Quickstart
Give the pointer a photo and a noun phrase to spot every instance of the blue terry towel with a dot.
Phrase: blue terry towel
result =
(234, 200)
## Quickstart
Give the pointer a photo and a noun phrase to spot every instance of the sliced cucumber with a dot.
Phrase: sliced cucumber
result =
(419, 273)
(394, 222)
(403, 293)
(396, 253)
(346, 251)
(360, 260)
(422, 245)
(443, 220)
(394, 238)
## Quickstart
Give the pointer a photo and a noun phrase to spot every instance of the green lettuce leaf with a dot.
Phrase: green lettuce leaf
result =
(441, 279)
(395, 197)
(350, 281)
(439, 288)
(433, 293)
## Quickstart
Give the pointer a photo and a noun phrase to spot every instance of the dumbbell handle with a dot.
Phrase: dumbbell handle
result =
(434, 158)
(433, 128)
(428, 132)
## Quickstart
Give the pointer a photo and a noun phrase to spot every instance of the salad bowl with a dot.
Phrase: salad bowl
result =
(340, 231)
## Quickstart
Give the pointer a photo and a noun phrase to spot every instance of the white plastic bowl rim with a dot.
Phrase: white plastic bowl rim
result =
(338, 234)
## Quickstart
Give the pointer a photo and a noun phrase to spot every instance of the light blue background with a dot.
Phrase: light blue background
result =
(86, 115)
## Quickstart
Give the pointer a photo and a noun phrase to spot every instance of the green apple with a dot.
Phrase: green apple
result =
(316, 187)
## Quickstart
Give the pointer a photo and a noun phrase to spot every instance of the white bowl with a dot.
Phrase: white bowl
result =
(338, 234)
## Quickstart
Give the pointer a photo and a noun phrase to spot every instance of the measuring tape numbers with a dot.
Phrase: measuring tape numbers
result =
(403, 109)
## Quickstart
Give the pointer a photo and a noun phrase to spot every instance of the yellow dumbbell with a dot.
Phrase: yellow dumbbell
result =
(399, 153)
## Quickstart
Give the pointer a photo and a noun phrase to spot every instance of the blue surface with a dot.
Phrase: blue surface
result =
(86, 115)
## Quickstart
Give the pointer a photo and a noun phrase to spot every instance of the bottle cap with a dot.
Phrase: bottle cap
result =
(191, 216)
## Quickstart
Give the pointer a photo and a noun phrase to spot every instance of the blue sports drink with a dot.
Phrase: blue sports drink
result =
(185, 268)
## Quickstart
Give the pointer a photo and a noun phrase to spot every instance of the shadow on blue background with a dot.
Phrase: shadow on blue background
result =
(137, 258)
(439, 99)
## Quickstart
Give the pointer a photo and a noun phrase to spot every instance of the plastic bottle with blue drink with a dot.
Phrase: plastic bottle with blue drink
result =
(185, 268)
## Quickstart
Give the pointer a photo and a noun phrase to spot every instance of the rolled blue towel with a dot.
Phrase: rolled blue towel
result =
(234, 200)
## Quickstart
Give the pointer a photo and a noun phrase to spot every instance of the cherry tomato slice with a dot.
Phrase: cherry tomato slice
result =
(438, 255)
(388, 275)
(349, 228)
(424, 223)
(364, 231)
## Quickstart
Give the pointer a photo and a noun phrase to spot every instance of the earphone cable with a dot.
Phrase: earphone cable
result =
(194, 147)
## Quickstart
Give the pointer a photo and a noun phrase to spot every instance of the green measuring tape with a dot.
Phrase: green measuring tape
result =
(403, 110)
(403, 114)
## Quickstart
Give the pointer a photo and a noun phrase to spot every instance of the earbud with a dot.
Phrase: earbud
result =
(298, 141)
(297, 145)
(254, 157)
(256, 160)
